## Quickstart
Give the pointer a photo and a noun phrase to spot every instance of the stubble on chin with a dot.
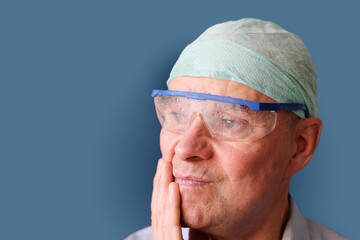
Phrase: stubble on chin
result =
(202, 214)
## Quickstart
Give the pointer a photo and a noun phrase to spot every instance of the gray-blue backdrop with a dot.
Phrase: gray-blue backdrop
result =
(78, 132)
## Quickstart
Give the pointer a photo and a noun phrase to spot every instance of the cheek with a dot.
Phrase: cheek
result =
(249, 168)
(240, 160)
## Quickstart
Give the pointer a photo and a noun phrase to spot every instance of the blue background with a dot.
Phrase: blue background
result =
(78, 131)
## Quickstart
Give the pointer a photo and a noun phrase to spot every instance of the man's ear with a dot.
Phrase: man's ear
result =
(307, 133)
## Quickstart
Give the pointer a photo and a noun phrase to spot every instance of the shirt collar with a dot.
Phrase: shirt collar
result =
(296, 226)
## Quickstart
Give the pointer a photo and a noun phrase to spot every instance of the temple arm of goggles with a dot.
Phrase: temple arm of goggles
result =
(255, 106)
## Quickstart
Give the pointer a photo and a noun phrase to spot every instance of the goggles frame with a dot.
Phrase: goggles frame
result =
(255, 106)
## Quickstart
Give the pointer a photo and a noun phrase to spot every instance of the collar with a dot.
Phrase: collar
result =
(296, 227)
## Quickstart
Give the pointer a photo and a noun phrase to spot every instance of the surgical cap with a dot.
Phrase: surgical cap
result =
(256, 53)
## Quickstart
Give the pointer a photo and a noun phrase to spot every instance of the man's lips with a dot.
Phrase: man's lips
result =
(191, 181)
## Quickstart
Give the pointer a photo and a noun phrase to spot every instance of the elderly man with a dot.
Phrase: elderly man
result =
(239, 119)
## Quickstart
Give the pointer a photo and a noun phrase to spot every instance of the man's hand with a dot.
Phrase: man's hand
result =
(165, 204)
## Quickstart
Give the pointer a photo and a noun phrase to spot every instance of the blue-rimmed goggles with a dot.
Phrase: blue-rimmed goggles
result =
(225, 117)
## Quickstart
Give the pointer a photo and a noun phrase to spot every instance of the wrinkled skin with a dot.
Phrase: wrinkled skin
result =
(223, 189)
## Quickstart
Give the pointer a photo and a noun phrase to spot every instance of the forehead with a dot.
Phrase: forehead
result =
(217, 87)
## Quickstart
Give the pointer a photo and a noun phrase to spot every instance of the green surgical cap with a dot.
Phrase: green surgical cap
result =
(258, 54)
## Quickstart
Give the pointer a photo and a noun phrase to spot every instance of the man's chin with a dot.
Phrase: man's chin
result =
(190, 224)
(201, 226)
(195, 219)
(197, 211)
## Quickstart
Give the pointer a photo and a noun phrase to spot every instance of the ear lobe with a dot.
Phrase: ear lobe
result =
(308, 133)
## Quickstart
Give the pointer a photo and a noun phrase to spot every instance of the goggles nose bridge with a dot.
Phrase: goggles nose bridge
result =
(194, 116)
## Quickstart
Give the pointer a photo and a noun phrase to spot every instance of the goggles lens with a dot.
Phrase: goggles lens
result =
(224, 120)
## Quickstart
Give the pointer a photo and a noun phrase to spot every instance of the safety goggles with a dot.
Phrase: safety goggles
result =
(226, 118)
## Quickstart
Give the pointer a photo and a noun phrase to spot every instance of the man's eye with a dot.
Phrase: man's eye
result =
(228, 123)
(176, 116)
(234, 124)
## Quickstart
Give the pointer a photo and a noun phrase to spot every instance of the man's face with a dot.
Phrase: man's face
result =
(226, 183)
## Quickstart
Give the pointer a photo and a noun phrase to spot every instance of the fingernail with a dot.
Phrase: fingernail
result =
(159, 164)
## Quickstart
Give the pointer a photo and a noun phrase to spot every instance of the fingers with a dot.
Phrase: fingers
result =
(171, 226)
(165, 204)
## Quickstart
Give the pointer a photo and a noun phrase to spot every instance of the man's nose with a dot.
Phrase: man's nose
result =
(195, 142)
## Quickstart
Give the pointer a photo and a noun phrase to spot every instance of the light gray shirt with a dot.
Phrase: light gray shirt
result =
(298, 227)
